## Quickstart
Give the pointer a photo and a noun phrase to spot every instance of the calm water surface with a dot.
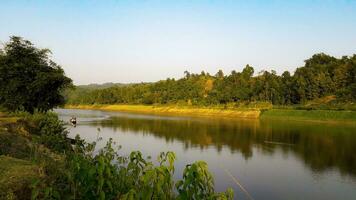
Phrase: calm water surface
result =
(271, 159)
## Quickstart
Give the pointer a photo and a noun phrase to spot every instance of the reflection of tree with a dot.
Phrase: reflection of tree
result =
(192, 133)
(320, 146)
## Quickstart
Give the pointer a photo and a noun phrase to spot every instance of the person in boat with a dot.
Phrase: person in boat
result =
(73, 121)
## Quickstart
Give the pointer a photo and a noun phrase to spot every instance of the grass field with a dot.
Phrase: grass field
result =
(310, 115)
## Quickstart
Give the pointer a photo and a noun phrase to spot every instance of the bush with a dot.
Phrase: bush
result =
(198, 183)
(107, 175)
(47, 130)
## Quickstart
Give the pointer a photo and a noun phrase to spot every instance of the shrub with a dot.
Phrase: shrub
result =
(107, 175)
(47, 129)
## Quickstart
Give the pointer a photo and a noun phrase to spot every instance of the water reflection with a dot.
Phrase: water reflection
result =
(320, 146)
(274, 160)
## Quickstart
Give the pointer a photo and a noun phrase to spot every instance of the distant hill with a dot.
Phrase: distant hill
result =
(94, 86)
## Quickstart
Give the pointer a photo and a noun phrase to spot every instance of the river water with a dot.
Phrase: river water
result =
(271, 159)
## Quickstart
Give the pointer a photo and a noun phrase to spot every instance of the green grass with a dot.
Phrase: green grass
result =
(14, 145)
(14, 140)
(310, 115)
(16, 176)
(323, 103)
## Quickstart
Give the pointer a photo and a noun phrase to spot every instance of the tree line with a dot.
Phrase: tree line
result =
(322, 75)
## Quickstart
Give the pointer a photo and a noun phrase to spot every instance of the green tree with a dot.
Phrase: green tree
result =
(29, 79)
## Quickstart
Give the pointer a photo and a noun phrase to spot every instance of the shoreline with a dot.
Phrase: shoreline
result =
(173, 110)
(280, 114)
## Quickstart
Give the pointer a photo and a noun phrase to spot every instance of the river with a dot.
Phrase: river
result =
(271, 159)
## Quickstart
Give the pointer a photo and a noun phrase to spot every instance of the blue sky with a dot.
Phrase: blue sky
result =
(140, 41)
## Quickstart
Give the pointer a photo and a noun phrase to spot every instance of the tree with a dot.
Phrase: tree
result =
(29, 79)
(220, 74)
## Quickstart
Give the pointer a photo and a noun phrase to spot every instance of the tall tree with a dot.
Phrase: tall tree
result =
(29, 79)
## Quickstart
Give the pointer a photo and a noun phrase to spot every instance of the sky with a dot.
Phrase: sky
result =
(145, 41)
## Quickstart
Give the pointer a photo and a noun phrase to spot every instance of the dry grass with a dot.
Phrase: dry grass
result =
(4, 119)
(173, 110)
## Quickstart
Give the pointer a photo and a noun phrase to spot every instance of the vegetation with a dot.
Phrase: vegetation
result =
(29, 80)
(94, 86)
(321, 76)
(82, 172)
(16, 177)
(317, 115)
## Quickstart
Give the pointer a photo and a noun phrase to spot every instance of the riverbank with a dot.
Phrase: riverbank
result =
(174, 110)
(283, 114)
(310, 115)
(17, 168)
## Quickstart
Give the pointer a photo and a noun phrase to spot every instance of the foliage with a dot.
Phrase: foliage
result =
(47, 130)
(14, 144)
(29, 79)
(107, 175)
(198, 183)
(322, 75)
(83, 172)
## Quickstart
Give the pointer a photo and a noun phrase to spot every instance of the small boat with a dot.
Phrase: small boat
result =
(73, 121)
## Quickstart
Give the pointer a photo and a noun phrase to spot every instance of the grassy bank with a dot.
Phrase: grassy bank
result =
(22, 160)
(174, 110)
(287, 113)
(310, 115)
(16, 177)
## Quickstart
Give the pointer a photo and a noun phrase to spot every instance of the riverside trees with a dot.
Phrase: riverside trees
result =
(322, 75)
(29, 79)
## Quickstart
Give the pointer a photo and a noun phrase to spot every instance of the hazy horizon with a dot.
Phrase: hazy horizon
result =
(146, 41)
